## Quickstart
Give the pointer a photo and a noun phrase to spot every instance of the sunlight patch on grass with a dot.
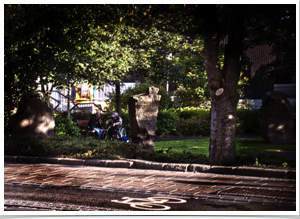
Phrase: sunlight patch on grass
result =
(194, 146)
(273, 150)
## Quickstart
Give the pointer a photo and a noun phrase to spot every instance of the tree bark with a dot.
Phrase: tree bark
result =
(223, 84)
(68, 107)
(118, 99)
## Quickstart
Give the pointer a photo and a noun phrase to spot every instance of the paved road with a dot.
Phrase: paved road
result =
(52, 187)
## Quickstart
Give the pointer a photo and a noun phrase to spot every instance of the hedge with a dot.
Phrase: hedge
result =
(189, 121)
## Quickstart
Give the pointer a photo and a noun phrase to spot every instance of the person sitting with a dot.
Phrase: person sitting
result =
(96, 124)
(115, 121)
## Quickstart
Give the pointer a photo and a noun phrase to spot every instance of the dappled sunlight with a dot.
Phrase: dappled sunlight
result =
(280, 127)
(273, 150)
(271, 126)
(193, 146)
(27, 122)
(39, 124)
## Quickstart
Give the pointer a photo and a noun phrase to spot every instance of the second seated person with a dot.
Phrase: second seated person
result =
(115, 122)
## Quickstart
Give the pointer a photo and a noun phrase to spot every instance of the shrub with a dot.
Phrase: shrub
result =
(140, 88)
(126, 122)
(67, 146)
(189, 112)
(188, 121)
(81, 115)
(65, 126)
(166, 123)
(193, 126)
(247, 121)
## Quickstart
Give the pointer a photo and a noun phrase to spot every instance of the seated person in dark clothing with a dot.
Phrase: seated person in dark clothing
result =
(115, 122)
(96, 124)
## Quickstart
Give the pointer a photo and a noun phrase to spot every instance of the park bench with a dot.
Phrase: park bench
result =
(83, 126)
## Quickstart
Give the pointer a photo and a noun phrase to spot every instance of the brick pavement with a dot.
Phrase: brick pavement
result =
(200, 185)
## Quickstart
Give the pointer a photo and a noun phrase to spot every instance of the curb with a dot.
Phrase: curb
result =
(144, 164)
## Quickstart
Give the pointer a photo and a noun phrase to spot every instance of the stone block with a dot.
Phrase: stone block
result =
(223, 170)
(249, 171)
(176, 167)
(70, 161)
(201, 168)
(96, 162)
(10, 158)
(50, 160)
(276, 173)
(34, 117)
(27, 159)
(291, 174)
(276, 118)
(143, 110)
(120, 163)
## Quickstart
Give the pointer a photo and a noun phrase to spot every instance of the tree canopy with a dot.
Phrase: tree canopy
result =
(101, 44)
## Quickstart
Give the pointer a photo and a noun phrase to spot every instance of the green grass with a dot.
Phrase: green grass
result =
(256, 146)
(249, 152)
(199, 146)
(244, 146)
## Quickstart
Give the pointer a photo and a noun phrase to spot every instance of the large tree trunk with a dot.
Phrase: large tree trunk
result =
(223, 85)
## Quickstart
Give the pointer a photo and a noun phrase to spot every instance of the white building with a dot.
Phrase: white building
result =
(60, 102)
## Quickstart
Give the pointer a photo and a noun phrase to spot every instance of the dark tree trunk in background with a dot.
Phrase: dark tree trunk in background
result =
(223, 83)
(118, 99)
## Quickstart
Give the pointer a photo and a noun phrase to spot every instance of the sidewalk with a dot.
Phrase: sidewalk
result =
(100, 186)
(151, 165)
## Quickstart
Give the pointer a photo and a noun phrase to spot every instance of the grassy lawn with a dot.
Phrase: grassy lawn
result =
(244, 146)
(249, 152)
(196, 146)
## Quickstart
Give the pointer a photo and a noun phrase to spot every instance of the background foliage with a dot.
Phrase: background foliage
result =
(140, 88)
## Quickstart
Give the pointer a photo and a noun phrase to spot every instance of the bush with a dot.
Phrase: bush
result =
(67, 146)
(191, 121)
(189, 112)
(193, 126)
(81, 115)
(247, 121)
(65, 126)
(126, 122)
(166, 123)
(140, 88)
(188, 121)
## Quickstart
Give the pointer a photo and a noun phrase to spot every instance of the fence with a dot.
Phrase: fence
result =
(59, 99)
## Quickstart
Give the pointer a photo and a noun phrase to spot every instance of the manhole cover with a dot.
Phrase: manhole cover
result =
(257, 192)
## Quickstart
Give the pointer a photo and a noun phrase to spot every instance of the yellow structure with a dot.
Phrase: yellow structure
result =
(85, 95)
